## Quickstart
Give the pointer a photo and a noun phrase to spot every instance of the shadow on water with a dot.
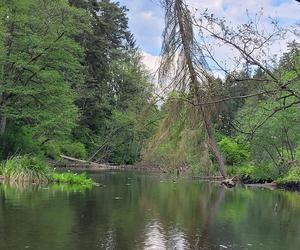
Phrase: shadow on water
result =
(139, 211)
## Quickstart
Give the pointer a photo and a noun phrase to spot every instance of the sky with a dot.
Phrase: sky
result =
(146, 19)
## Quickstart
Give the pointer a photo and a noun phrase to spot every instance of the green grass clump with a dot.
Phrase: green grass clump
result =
(25, 168)
(71, 178)
(31, 169)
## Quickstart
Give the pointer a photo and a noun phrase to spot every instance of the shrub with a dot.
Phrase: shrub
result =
(25, 169)
(234, 152)
(246, 172)
(74, 149)
(18, 141)
(254, 174)
(292, 177)
(264, 173)
(52, 150)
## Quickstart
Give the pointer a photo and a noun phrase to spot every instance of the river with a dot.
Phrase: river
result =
(147, 211)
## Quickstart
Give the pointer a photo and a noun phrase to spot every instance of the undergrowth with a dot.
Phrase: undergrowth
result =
(253, 174)
(292, 177)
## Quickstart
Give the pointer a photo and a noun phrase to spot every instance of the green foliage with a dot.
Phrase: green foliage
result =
(18, 141)
(25, 169)
(292, 177)
(64, 58)
(235, 153)
(276, 139)
(42, 63)
(71, 178)
(74, 149)
(264, 173)
(116, 87)
(52, 150)
(254, 174)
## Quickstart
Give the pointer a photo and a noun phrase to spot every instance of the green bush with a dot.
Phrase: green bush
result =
(52, 150)
(265, 173)
(234, 152)
(254, 174)
(292, 177)
(25, 169)
(74, 149)
(18, 141)
(71, 178)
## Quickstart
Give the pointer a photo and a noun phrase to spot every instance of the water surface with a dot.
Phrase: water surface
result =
(144, 211)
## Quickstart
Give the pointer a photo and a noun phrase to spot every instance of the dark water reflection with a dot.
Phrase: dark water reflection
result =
(139, 211)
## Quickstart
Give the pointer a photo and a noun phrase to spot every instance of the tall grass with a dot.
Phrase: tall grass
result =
(31, 169)
(25, 168)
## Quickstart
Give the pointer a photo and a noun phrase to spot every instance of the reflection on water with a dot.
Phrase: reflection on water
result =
(155, 237)
(149, 213)
(177, 240)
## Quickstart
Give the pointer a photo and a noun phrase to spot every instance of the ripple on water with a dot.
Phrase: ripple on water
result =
(157, 238)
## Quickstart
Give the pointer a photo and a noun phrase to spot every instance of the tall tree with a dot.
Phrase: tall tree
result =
(116, 84)
(103, 44)
(40, 63)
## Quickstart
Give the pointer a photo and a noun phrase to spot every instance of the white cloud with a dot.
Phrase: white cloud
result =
(150, 61)
(235, 9)
(148, 16)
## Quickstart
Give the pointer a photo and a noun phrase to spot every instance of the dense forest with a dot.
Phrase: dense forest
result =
(72, 82)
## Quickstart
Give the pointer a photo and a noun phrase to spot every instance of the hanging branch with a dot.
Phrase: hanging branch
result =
(183, 58)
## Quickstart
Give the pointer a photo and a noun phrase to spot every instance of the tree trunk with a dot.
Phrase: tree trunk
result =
(195, 86)
(214, 147)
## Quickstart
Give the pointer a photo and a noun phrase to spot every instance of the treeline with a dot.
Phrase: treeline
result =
(71, 81)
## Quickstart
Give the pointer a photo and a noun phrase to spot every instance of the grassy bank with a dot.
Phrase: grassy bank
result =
(32, 169)
(262, 174)
(291, 179)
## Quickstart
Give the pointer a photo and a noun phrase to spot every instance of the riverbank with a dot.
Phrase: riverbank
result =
(31, 169)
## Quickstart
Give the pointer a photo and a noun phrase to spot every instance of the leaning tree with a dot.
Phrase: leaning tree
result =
(185, 68)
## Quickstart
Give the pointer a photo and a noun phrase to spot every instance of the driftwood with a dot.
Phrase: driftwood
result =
(73, 159)
(230, 182)
(78, 163)
(208, 178)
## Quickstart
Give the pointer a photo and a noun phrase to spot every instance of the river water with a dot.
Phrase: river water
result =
(145, 211)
